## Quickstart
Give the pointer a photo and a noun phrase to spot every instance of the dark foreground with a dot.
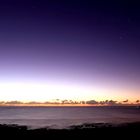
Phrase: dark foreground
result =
(86, 131)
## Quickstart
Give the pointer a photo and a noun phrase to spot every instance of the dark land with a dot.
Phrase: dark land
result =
(85, 131)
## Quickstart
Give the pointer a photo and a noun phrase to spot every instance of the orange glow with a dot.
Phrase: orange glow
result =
(45, 92)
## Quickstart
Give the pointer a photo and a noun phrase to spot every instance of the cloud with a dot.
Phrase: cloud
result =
(109, 102)
(2, 102)
(33, 102)
(92, 102)
(13, 102)
(69, 102)
(125, 101)
(72, 102)
(137, 101)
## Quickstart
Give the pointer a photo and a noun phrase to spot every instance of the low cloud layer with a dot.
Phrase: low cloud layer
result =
(71, 102)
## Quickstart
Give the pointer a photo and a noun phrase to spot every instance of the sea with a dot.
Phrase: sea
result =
(64, 117)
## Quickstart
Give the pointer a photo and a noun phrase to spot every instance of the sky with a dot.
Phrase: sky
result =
(77, 50)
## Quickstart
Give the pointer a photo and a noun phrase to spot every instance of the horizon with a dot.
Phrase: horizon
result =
(58, 102)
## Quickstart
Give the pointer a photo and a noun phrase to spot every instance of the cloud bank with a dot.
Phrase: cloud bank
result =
(71, 102)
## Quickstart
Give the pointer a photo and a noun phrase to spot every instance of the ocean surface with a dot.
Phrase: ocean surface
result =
(63, 117)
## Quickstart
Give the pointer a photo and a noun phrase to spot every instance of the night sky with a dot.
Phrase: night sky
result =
(84, 44)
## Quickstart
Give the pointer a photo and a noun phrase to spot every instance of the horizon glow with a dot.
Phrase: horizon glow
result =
(26, 92)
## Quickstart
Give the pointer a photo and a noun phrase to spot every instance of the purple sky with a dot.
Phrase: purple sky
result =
(75, 42)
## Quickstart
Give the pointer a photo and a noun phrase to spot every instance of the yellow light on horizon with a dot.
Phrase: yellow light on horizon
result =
(45, 92)
(40, 92)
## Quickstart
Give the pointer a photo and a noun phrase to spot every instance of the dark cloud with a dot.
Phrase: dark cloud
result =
(33, 102)
(13, 102)
(125, 101)
(92, 102)
(2, 102)
(72, 102)
(69, 102)
(137, 101)
(109, 102)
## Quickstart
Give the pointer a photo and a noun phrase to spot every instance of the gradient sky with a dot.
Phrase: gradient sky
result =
(69, 49)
